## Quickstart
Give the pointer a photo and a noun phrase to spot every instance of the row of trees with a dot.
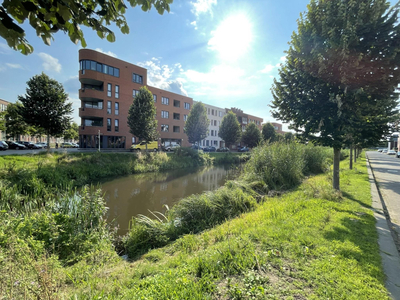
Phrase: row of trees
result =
(143, 124)
(339, 84)
(43, 110)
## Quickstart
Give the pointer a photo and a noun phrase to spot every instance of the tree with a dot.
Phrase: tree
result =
(196, 126)
(72, 132)
(15, 124)
(229, 130)
(49, 17)
(142, 122)
(341, 72)
(268, 132)
(2, 121)
(251, 136)
(289, 137)
(45, 106)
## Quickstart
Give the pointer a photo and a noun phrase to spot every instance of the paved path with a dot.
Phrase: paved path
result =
(386, 175)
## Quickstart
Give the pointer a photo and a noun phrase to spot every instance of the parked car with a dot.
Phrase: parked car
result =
(3, 146)
(44, 145)
(380, 150)
(223, 149)
(172, 147)
(384, 150)
(39, 146)
(197, 147)
(75, 145)
(151, 146)
(210, 149)
(17, 146)
(243, 149)
(391, 152)
(66, 145)
(29, 145)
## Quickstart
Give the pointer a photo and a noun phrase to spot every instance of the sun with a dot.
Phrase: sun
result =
(232, 38)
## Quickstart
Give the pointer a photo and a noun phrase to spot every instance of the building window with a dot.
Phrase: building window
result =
(177, 116)
(135, 93)
(93, 104)
(155, 98)
(116, 108)
(215, 143)
(220, 113)
(177, 103)
(109, 90)
(108, 107)
(98, 67)
(208, 111)
(211, 122)
(116, 125)
(187, 105)
(137, 78)
(164, 100)
(243, 128)
(177, 129)
(165, 128)
(212, 112)
(212, 132)
(117, 91)
(185, 117)
(244, 120)
(93, 122)
(164, 114)
(215, 122)
(108, 124)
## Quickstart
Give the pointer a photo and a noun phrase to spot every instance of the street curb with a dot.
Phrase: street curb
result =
(388, 251)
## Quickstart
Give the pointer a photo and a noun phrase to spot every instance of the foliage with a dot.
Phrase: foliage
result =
(2, 121)
(309, 243)
(289, 137)
(229, 130)
(15, 124)
(251, 136)
(72, 132)
(268, 132)
(196, 126)
(141, 116)
(190, 215)
(45, 105)
(67, 16)
(339, 77)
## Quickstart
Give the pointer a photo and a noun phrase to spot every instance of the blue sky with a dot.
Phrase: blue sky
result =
(221, 52)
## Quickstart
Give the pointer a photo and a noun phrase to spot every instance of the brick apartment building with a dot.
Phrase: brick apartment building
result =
(108, 86)
(278, 128)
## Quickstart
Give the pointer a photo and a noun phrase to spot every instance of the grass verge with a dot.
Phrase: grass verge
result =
(309, 243)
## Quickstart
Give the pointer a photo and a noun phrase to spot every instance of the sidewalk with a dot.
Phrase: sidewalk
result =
(388, 251)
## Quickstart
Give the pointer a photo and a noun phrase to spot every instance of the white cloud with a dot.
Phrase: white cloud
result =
(194, 24)
(72, 85)
(267, 69)
(164, 77)
(50, 63)
(108, 52)
(14, 66)
(202, 6)
(283, 58)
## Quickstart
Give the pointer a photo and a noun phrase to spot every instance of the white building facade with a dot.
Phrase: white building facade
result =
(215, 115)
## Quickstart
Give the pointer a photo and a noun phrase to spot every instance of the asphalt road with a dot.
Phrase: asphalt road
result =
(386, 169)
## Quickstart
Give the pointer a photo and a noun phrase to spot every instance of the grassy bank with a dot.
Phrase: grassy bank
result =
(309, 243)
(274, 233)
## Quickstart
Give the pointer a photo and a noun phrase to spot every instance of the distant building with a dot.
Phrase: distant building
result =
(215, 115)
(278, 128)
(3, 107)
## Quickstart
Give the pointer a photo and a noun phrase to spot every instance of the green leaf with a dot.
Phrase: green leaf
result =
(111, 37)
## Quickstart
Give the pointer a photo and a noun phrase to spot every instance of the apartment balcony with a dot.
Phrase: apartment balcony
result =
(86, 94)
(91, 130)
(91, 112)
(91, 77)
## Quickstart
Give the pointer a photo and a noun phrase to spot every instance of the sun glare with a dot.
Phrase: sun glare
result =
(232, 38)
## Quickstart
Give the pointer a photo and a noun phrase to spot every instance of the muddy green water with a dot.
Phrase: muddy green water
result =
(137, 194)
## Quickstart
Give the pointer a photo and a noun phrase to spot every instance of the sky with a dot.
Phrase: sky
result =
(220, 52)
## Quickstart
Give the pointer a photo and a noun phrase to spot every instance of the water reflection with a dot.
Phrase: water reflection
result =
(137, 194)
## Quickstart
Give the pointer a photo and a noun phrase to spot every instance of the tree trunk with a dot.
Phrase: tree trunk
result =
(351, 157)
(355, 154)
(336, 164)
(48, 143)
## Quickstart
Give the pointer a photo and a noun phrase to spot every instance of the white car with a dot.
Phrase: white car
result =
(391, 152)
(172, 147)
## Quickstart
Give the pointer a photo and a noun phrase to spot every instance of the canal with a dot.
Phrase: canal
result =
(137, 194)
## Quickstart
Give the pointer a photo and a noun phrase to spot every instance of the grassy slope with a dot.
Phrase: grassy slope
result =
(310, 243)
